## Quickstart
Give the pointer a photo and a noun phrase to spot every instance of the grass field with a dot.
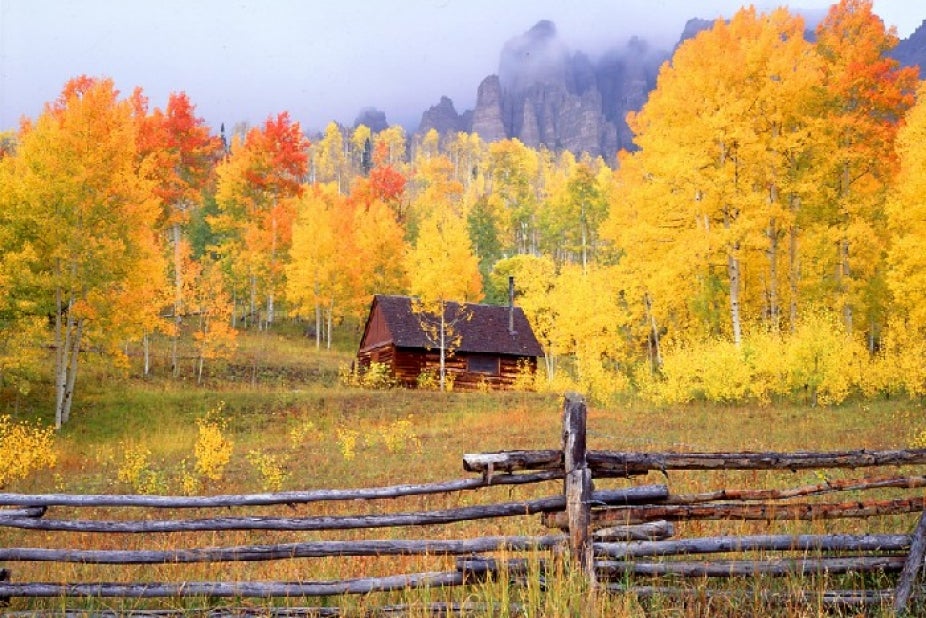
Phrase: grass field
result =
(282, 402)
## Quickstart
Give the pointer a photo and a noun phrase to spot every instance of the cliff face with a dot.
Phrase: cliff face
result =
(545, 94)
(912, 51)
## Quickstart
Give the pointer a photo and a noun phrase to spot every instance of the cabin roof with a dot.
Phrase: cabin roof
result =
(486, 330)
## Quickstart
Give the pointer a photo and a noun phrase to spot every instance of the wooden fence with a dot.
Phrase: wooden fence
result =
(622, 539)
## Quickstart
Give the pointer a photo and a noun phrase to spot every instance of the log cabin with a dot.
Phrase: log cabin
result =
(494, 344)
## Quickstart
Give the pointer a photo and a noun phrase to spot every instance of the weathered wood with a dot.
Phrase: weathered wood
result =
(636, 463)
(440, 609)
(513, 460)
(837, 485)
(578, 482)
(623, 464)
(4, 577)
(747, 568)
(649, 531)
(253, 553)
(831, 599)
(149, 590)
(345, 522)
(479, 568)
(269, 499)
(726, 544)
(744, 511)
(911, 568)
(28, 511)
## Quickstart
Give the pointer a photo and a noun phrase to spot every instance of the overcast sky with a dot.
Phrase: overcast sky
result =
(321, 60)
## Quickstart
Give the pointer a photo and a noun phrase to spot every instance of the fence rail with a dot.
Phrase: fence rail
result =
(619, 538)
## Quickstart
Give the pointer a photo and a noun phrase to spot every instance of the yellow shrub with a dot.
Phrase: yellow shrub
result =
(24, 448)
(400, 436)
(270, 469)
(824, 360)
(347, 441)
(298, 434)
(213, 449)
(598, 382)
(135, 470)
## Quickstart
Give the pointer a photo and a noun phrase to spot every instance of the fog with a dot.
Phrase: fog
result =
(320, 60)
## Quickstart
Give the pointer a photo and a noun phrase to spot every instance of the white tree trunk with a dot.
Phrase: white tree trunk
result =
(733, 271)
(443, 351)
(71, 371)
(146, 352)
(178, 300)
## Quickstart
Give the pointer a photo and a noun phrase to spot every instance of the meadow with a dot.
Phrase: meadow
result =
(278, 418)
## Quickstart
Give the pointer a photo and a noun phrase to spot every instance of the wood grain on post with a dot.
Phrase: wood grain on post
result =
(911, 567)
(578, 485)
(4, 577)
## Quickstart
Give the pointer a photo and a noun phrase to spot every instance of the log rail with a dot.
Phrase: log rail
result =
(623, 540)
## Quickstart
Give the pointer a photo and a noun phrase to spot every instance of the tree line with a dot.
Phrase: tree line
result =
(773, 197)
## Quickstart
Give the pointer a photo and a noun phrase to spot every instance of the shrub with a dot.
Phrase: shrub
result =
(135, 470)
(377, 375)
(24, 448)
(270, 469)
(400, 436)
(213, 449)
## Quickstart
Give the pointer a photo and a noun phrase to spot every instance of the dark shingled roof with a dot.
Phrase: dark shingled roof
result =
(485, 331)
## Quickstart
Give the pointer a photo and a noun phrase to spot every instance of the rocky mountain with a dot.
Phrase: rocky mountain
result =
(912, 51)
(546, 94)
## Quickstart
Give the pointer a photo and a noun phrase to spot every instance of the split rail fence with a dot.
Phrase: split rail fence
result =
(623, 539)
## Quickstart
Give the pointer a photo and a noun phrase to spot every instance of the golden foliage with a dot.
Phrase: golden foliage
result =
(24, 448)
(213, 448)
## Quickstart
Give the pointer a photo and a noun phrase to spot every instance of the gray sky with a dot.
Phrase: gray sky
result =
(321, 60)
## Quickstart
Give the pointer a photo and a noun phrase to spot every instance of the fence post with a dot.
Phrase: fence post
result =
(911, 568)
(4, 577)
(578, 484)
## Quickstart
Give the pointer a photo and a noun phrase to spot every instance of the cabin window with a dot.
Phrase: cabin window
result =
(482, 364)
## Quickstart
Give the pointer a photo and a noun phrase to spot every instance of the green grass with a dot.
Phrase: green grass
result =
(281, 383)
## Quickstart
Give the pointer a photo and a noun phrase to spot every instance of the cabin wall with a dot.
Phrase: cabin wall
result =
(465, 380)
(408, 364)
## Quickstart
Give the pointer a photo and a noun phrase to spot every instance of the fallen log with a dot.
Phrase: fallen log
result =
(420, 518)
(269, 499)
(744, 512)
(727, 544)
(617, 569)
(254, 553)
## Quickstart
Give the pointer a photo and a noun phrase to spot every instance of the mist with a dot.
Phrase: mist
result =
(321, 61)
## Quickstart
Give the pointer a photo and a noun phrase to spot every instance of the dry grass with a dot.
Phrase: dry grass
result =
(296, 388)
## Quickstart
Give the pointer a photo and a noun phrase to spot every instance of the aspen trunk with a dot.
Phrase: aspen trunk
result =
(178, 300)
(443, 350)
(656, 357)
(733, 272)
(146, 353)
(71, 372)
(793, 263)
(774, 310)
(61, 340)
